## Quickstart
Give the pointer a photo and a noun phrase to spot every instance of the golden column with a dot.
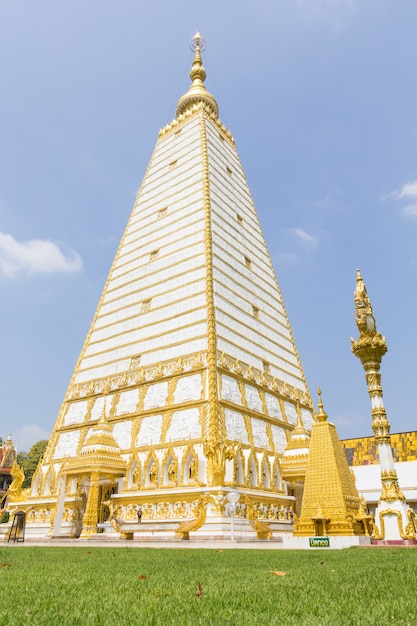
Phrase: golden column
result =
(90, 518)
(395, 519)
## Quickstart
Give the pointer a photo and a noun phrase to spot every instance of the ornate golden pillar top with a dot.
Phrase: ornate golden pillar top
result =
(364, 317)
(370, 345)
(197, 92)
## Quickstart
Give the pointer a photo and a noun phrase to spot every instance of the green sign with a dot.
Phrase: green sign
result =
(319, 542)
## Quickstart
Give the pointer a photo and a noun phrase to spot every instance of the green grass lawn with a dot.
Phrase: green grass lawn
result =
(121, 586)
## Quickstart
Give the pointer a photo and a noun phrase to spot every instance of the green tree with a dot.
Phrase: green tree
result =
(29, 461)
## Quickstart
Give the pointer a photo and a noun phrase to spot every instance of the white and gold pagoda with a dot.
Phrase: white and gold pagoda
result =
(189, 382)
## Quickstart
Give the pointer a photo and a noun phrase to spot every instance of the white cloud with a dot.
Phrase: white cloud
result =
(407, 191)
(410, 210)
(304, 236)
(285, 257)
(106, 240)
(37, 256)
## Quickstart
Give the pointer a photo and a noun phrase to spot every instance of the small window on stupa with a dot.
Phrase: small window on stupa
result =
(146, 306)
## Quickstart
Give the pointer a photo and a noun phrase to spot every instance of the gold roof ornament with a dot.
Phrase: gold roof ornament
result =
(99, 451)
(197, 93)
(101, 437)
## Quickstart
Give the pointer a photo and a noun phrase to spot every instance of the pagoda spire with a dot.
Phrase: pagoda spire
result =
(321, 415)
(197, 93)
(370, 347)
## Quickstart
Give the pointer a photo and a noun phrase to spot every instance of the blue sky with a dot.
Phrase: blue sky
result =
(321, 97)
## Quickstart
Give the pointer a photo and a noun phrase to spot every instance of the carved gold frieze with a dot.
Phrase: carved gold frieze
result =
(138, 376)
(391, 491)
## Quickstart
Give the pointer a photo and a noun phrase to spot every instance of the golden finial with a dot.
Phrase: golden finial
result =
(321, 415)
(197, 93)
(103, 416)
(299, 428)
(198, 42)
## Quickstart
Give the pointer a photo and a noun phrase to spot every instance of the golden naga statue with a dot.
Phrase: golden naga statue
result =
(115, 521)
(365, 320)
(262, 529)
(200, 511)
(15, 493)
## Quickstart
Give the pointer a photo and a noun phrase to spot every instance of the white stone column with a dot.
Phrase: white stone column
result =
(392, 517)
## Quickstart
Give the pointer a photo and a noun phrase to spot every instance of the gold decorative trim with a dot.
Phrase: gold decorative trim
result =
(214, 437)
(196, 110)
(409, 532)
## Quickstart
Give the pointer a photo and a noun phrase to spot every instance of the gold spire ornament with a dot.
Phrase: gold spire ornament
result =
(369, 348)
(197, 93)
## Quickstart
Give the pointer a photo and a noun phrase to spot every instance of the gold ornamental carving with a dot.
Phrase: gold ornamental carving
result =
(407, 533)
(214, 437)
(392, 492)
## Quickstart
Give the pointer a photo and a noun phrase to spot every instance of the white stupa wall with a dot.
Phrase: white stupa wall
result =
(251, 321)
(154, 303)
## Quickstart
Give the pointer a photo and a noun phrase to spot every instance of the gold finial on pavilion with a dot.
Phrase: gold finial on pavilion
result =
(103, 416)
(299, 427)
(197, 93)
(321, 415)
